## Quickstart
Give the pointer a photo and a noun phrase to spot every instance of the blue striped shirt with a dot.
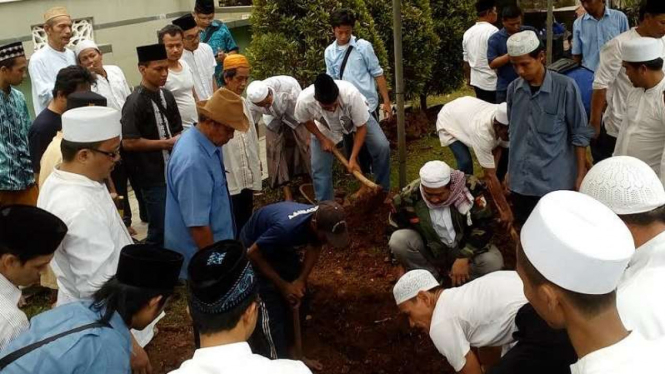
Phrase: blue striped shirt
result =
(590, 35)
(16, 172)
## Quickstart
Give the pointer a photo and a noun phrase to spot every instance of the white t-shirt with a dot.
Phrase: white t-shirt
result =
(474, 45)
(181, 85)
(479, 314)
(202, 63)
(351, 113)
(470, 120)
(632, 355)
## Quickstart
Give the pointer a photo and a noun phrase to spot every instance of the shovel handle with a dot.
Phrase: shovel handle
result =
(297, 331)
(359, 176)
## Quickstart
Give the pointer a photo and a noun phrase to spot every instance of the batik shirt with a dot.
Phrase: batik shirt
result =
(219, 38)
(15, 166)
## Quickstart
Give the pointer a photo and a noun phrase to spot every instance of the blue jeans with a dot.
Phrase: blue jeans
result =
(322, 162)
(462, 156)
(155, 203)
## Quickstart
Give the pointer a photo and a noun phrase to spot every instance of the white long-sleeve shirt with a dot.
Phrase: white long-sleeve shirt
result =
(114, 87)
(12, 320)
(241, 158)
(202, 63)
(285, 91)
(43, 68)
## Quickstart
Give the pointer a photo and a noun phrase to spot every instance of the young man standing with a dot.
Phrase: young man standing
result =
(478, 73)
(597, 26)
(574, 252)
(214, 33)
(17, 181)
(46, 63)
(151, 125)
(199, 57)
(549, 132)
(28, 238)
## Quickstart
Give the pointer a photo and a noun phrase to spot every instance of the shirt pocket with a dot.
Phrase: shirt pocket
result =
(550, 123)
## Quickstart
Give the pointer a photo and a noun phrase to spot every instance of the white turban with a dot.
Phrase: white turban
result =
(522, 43)
(408, 286)
(83, 45)
(641, 50)
(91, 124)
(257, 91)
(435, 174)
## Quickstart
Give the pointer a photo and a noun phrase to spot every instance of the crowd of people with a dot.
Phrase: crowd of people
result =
(585, 297)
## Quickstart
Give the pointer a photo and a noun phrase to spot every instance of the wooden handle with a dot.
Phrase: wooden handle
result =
(359, 176)
(297, 332)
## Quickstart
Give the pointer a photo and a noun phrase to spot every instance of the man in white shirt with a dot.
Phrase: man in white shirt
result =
(330, 109)
(241, 154)
(287, 142)
(224, 305)
(46, 63)
(198, 56)
(180, 80)
(28, 238)
(611, 84)
(574, 252)
(642, 133)
(477, 71)
(633, 191)
(469, 122)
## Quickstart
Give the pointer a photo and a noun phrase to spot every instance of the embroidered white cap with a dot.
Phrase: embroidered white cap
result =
(91, 124)
(414, 281)
(257, 91)
(435, 174)
(83, 45)
(522, 43)
(501, 114)
(625, 184)
(577, 243)
(641, 50)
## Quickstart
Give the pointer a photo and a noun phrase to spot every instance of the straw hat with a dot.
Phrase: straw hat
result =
(225, 107)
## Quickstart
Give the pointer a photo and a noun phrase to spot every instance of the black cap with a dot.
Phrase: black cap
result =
(186, 22)
(30, 231)
(204, 6)
(153, 52)
(85, 98)
(220, 277)
(331, 219)
(654, 7)
(484, 5)
(147, 266)
(11, 50)
(325, 89)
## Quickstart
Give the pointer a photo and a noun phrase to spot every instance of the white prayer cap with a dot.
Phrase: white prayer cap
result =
(624, 184)
(83, 45)
(257, 91)
(522, 43)
(91, 124)
(501, 114)
(435, 174)
(408, 286)
(577, 243)
(641, 50)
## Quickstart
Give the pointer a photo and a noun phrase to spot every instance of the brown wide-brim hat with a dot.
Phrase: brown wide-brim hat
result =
(225, 107)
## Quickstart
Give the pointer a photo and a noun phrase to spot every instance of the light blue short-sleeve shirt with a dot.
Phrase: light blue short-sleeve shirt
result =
(361, 69)
(590, 35)
(196, 195)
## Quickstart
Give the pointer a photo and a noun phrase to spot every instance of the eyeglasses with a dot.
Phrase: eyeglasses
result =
(114, 155)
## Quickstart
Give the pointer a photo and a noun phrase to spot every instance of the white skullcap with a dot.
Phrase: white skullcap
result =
(522, 43)
(435, 174)
(408, 286)
(641, 50)
(257, 91)
(83, 45)
(577, 243)
(624, 184)
(501, 114)
(91, 124)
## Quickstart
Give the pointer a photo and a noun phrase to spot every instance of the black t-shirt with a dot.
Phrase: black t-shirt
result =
(43, 129)
(138, 121)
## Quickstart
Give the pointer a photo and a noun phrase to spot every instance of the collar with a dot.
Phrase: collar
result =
(352, 42)
(658, 87)
(587, 16)
(545, 87)
(9, 290)
(76, 179)
(650, 253)
(203, 140)
(219, 353)
(602, 360)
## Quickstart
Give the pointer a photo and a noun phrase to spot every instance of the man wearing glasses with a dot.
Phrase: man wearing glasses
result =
(199, 57)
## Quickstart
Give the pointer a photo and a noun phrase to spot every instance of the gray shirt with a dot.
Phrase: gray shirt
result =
(545, 127)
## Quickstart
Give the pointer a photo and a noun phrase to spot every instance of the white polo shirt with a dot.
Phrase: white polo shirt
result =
(479, 314)
(474, 45)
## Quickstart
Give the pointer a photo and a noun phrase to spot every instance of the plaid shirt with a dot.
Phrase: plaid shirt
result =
(16, 171)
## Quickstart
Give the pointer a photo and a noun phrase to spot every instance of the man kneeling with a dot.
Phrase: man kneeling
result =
(224, 304)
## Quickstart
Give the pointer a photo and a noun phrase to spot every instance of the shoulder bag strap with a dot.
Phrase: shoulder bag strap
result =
(346, 58)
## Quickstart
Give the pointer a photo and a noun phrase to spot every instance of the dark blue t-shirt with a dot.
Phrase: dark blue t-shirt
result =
(497, 46)
(278, 227)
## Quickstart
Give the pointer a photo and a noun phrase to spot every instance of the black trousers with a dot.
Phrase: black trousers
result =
(243, 206)
(603, 146)
(523, 206)
(540, 349)
(120, 180)
(489, 96)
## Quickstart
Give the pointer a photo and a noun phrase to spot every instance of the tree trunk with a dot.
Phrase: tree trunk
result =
(423, 103)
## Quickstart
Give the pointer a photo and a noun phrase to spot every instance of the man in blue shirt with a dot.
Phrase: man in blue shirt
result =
(215, 34)
(497, 53)
(198, 205)
(598, 26)
(273, 237)
(549, 131)
(94, 337)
